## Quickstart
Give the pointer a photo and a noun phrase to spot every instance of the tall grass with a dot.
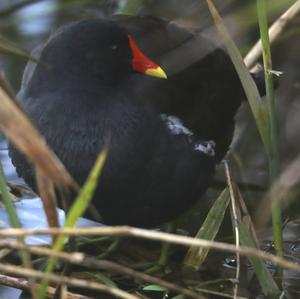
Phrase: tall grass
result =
(264, 114)
(274, 163)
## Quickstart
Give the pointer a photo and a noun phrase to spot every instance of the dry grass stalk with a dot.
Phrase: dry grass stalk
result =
(234, 217)
(23, 284)
(151, 235)
(18, 128)
(58, 279)
(78, 258)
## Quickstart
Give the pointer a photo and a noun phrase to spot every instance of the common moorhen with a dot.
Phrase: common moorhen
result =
(166, 136)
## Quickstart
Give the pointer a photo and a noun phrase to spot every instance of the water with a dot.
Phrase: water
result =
(37, 18)
(30, 213)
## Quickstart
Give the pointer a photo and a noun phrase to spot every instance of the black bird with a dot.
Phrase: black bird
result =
(166, 136)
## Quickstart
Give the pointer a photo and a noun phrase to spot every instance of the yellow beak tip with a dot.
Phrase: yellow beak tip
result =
(156, 72)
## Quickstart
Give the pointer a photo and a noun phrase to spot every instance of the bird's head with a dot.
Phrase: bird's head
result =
(98, 51)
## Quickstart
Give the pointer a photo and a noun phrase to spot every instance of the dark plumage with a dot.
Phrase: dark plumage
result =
(153, 172)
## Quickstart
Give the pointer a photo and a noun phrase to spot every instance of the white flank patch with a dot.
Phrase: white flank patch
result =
(176, 127)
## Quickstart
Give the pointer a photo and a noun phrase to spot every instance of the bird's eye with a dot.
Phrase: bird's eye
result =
(114, 47)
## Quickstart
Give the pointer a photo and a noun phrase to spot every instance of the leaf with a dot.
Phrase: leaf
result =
(263, 275)
(154, 288)
(208, 231)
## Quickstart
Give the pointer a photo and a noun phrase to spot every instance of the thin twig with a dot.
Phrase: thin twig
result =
(235, 227)
(151, 235)
(75, 282)
(24, 284)
(78, 258)
(274, 32)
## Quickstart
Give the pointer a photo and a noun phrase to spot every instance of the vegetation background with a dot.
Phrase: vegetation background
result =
(29, 22)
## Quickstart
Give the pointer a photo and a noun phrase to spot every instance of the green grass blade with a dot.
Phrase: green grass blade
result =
(208, 231)
(274, 163)
(77, 209)
(5, 196)
(84, 198)
(263, 275)
(13, 217)
(7, 47)
(258, 107)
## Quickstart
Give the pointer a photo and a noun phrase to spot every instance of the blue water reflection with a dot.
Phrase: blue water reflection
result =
(37, 18)
(30, 211)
